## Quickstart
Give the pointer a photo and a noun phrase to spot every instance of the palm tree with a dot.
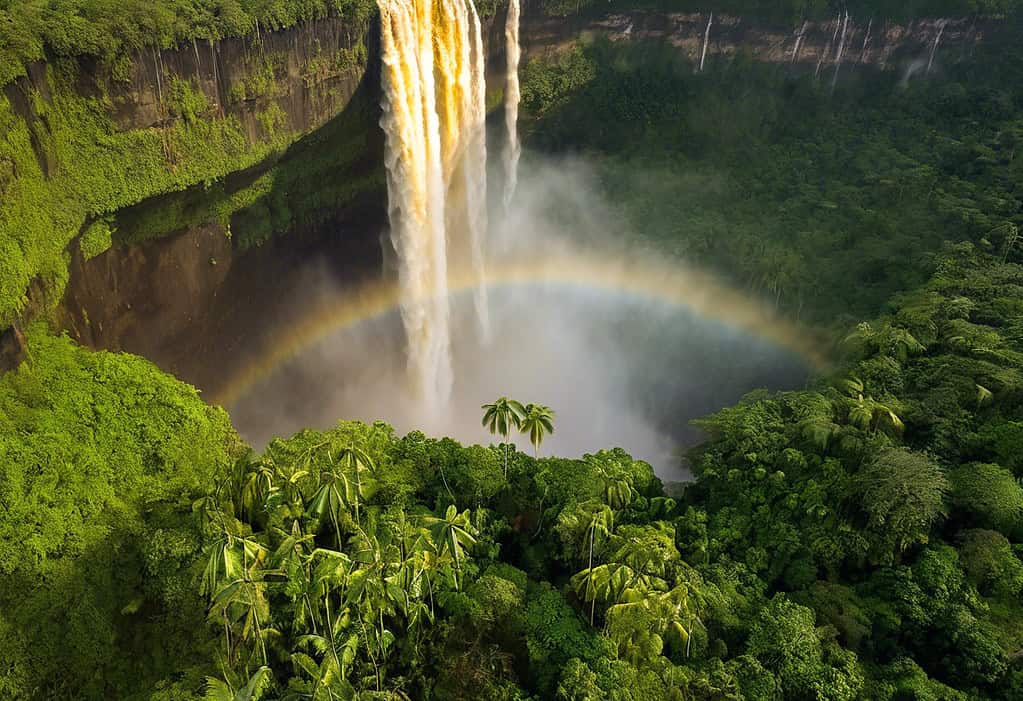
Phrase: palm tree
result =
(454, 534)
(538, 420)
(591, 584)
(256, 686)
(500, 417)
(601, 522)
(355, 461)
(892, 341)
(868, 413)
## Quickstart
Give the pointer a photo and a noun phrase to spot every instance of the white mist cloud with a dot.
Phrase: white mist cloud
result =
(618, 370)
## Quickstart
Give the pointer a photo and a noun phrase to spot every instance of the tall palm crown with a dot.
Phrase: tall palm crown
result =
(500, 417)
(538, 421)
(503, 415)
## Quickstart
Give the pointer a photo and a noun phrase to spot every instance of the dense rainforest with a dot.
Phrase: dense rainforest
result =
(859, 538)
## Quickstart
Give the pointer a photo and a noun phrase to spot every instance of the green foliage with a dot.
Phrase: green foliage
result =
(317, 176)
(785, 641)
(829, 204)
(555, 634)
(101, 456)
(902, 494)
(989, 496)
(546, 86)
(355, 561)
(102, 170)
(537, 422)
(858, 538)
(264, 70)
(95, 169)
(795, 11)
(345, 61)
(97, 238)
(990, 563)
(113, 31)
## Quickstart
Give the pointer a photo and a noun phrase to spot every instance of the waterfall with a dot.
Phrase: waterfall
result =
(476, 168)
(706, 40)
(827, 48)
(512, 149)
(799, 42)
(934, 48)
(841, 50)
(432, 116)
(866, 40)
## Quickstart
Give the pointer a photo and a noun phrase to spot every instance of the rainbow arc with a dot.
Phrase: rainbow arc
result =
(699, 293)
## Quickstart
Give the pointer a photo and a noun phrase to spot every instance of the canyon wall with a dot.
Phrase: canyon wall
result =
(247, 138)
(306, 73)
(199, 134)
(812, 46)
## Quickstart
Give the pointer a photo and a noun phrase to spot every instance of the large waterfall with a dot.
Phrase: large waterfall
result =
(511, 102)
(434, 107)
(476, 168)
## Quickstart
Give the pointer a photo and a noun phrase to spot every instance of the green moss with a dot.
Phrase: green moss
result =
(342, 62)
(96, 238)
(324, 172)
(186, 102)
(272, 119)
(101, 456)
(260, 78)
(72, 163)
(113, 31)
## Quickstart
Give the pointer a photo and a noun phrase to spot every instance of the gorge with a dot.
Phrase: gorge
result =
(735, 289)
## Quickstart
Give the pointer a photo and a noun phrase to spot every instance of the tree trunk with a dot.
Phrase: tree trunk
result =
(593, 603)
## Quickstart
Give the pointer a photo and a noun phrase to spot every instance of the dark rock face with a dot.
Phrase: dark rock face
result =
(197, 306)
(12, 348)
(104, 303)
(307, 72)
(811, 45)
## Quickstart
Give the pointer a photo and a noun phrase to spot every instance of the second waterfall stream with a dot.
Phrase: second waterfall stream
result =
(434, 113)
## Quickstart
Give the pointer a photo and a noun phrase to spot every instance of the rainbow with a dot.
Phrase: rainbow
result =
(698, 292)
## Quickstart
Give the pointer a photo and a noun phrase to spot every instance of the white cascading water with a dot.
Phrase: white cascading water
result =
(476, 168)
(866, 40)
(841, 51)
(706, 41)
(435, 155)
(799, 41)
(512, 148)
(934, 47)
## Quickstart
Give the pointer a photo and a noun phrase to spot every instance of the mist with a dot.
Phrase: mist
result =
(619, 369)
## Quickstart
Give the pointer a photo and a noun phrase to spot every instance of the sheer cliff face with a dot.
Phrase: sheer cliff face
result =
(297, 144)
(867, 42)
(84, 144)
(308, 73)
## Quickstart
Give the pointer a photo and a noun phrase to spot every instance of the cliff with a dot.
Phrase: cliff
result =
(811, 45)
(79, 146)
(249, 138)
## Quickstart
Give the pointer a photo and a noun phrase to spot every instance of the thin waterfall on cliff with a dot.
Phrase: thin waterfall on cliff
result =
(512, 149)
(706, 41)
(841, 51)
(799, 42)
(433, 108)
(934, 47)
(866, 39)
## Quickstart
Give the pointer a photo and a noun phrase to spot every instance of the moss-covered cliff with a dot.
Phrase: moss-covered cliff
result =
(259, 133)
(79, 145)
